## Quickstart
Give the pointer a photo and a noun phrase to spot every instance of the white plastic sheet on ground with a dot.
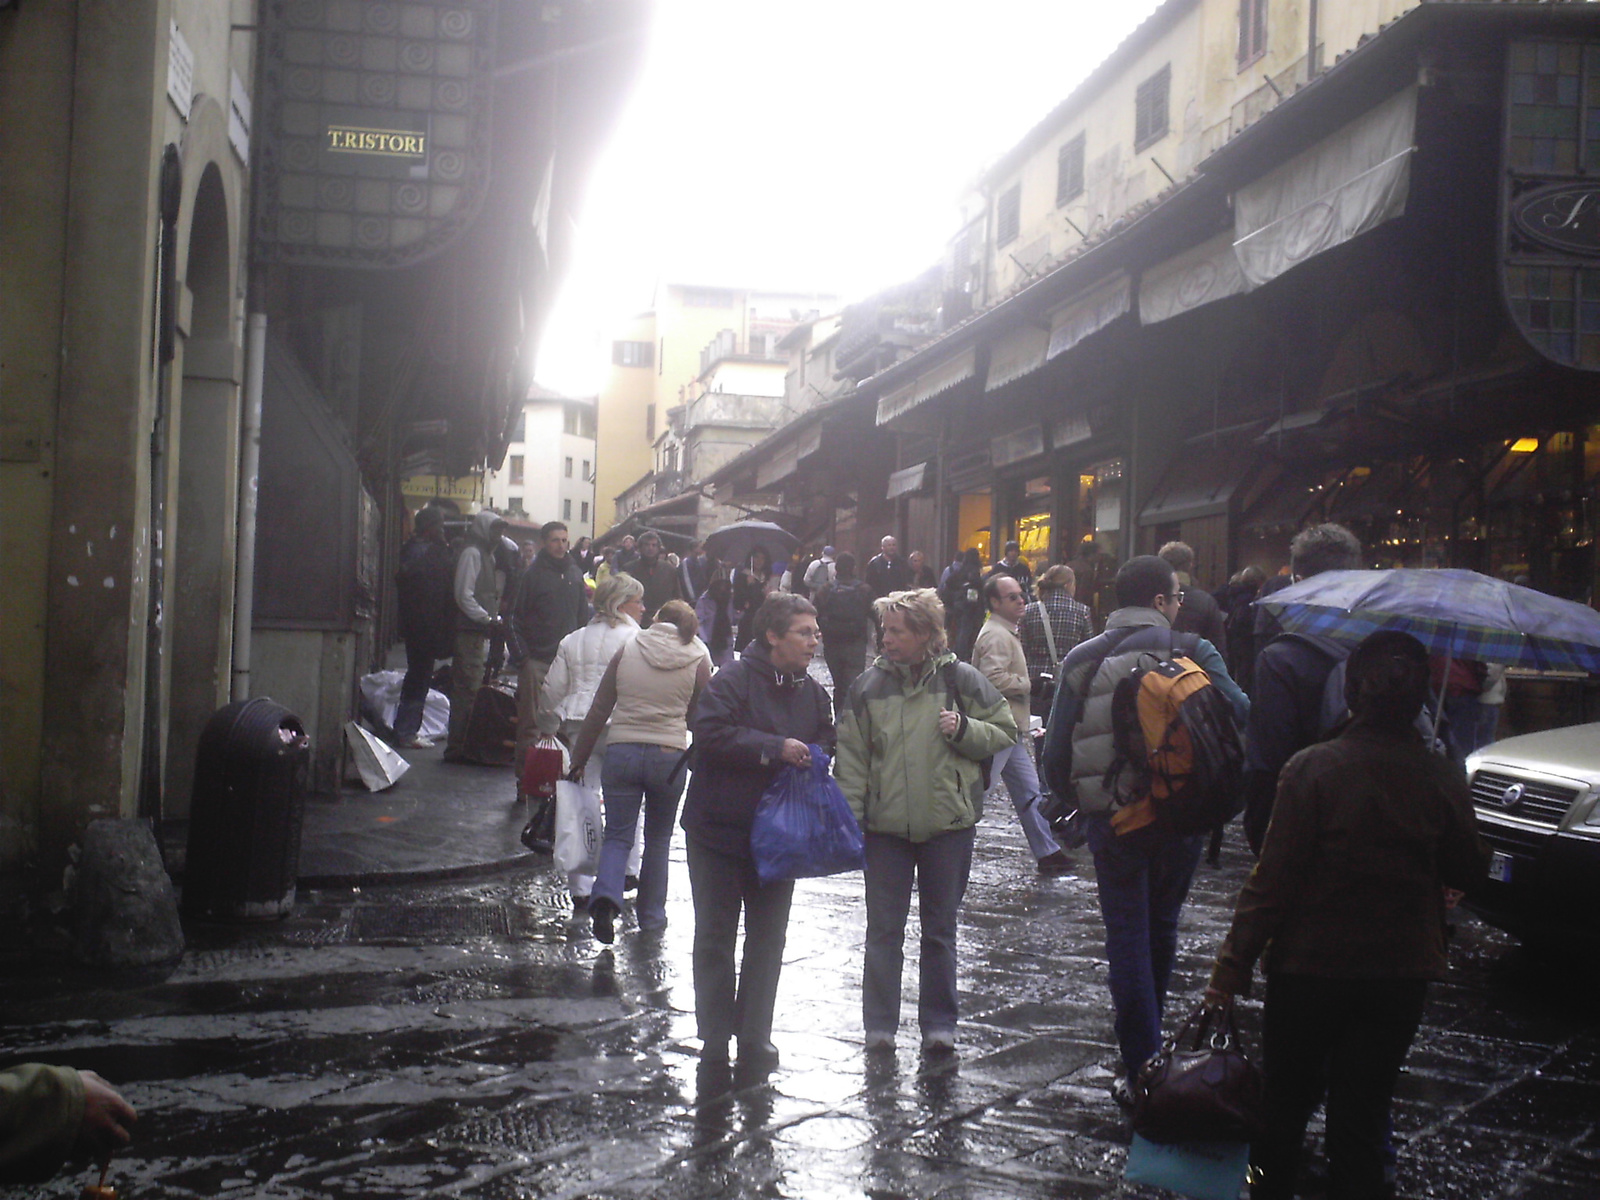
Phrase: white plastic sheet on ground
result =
(378, 766)
(1352, 181)
(380, 694)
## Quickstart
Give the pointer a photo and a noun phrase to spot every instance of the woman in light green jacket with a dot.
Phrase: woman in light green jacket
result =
(913, 734)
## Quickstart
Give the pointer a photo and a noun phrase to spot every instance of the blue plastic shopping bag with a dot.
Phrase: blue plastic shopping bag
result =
(1203, 1170)
(804, 826)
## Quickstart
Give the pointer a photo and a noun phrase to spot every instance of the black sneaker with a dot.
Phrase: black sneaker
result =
(602, 913)
(1055, 864)
(630, 883)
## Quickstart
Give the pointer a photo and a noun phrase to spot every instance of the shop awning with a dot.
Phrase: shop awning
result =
(1208, 272)
(1100, 305)
(907, 480)
(928, 385)
(1285, 503)
(1019, 353)
(1350, 182)
(1200, 481)
(786, 459)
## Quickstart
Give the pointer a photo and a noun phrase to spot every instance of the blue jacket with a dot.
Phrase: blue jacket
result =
(740, 723)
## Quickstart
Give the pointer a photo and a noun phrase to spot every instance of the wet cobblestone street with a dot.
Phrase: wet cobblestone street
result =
(472, 1039)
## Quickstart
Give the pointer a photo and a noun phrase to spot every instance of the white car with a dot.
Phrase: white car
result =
(1538, 802)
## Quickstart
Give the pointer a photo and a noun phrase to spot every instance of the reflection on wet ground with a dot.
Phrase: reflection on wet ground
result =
(355, 1050)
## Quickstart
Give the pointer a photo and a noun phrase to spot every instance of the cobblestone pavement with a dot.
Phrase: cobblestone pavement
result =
(472, 1040)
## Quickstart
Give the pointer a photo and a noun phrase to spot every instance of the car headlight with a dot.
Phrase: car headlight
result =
(1474, 761)
(1592, 818)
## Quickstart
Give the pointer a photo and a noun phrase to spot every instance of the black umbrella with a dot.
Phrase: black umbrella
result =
(737, 542)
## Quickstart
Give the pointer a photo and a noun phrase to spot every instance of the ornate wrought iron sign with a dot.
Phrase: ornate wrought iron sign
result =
(1550, 207)
(374, 130)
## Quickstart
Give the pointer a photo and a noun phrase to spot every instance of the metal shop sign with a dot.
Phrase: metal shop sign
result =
(390, 143)
(1550, 199)
(1566, 217)
(462, 488)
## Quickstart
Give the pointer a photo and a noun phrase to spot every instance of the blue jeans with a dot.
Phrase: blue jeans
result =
(1021, 778)
(1143, 878)
(636, 774)
(940, 866)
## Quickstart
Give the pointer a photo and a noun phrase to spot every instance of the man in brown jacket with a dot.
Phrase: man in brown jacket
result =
(998, 655)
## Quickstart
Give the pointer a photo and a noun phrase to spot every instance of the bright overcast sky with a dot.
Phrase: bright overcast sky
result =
(822, 146)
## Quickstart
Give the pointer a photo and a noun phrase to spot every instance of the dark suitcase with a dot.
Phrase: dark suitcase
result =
(491, 737)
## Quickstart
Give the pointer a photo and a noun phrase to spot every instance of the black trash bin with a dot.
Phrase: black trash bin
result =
(244, 822)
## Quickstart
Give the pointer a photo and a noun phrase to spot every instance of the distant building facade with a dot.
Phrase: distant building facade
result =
(548, 470)
(660, 361)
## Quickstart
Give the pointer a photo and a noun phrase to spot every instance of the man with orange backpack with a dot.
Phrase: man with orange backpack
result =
(1144, 799)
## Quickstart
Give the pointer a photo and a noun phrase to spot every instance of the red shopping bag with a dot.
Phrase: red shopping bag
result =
(545, 764)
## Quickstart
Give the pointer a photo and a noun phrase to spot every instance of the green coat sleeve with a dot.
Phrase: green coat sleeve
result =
(851, 758)
(989, 727)
(41, 1112)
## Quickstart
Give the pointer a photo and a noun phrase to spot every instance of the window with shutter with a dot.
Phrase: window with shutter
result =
(631, 354)
(1150, 109)
(1069, 170)
(1008, 218)
(1252, 31)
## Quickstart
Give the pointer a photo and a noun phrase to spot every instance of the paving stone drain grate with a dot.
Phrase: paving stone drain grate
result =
(427, 922)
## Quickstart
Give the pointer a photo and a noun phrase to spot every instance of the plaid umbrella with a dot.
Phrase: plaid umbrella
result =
(1459, 614)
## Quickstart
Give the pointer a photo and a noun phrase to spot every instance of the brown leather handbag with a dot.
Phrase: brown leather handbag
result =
(1202, 1089)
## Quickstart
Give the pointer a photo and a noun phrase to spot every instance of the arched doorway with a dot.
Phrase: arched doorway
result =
(202, 479)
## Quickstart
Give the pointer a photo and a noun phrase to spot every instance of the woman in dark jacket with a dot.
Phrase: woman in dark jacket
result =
(1347, 907)
(758, 714)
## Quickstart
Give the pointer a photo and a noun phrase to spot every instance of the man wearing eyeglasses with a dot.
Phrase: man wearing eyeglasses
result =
(1142, 874)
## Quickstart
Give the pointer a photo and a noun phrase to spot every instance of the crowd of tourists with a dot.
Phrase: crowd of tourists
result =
(674, 672)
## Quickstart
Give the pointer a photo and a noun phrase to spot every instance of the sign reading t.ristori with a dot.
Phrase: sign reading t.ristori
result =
(391, 143)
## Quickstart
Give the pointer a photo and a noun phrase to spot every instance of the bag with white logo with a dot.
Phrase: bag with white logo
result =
(579, 828)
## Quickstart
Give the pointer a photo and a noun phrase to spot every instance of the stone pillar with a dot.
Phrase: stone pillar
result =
(98, 540)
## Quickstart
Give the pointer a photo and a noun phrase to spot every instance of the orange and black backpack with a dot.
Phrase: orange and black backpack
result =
(1176, 753)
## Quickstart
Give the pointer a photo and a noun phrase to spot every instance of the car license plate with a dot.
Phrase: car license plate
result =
(1500, 867)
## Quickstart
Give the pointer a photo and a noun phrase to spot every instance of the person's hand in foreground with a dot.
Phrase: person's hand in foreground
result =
(106, 1117)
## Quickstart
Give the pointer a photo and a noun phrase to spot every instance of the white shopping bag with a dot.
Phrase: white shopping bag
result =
(379, 766)
(578, 828)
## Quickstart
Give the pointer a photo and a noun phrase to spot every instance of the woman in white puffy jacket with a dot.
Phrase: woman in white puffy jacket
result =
(575, 673)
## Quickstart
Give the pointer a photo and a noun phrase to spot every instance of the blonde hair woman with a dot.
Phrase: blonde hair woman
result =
(912, 734)
(647, 692)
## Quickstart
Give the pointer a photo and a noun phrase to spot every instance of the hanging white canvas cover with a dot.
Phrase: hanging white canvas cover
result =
(1350, 182)
(1200, 275)
(1100, 306)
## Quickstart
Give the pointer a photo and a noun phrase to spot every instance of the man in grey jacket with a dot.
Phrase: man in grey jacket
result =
(1142, 874)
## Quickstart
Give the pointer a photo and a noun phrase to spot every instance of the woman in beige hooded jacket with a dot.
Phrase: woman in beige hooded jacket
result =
(647, 693)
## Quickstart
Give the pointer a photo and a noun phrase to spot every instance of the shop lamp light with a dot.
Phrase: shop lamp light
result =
(1524, 445)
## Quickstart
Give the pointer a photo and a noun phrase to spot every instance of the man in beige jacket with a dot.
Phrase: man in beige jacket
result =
(998, 655)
